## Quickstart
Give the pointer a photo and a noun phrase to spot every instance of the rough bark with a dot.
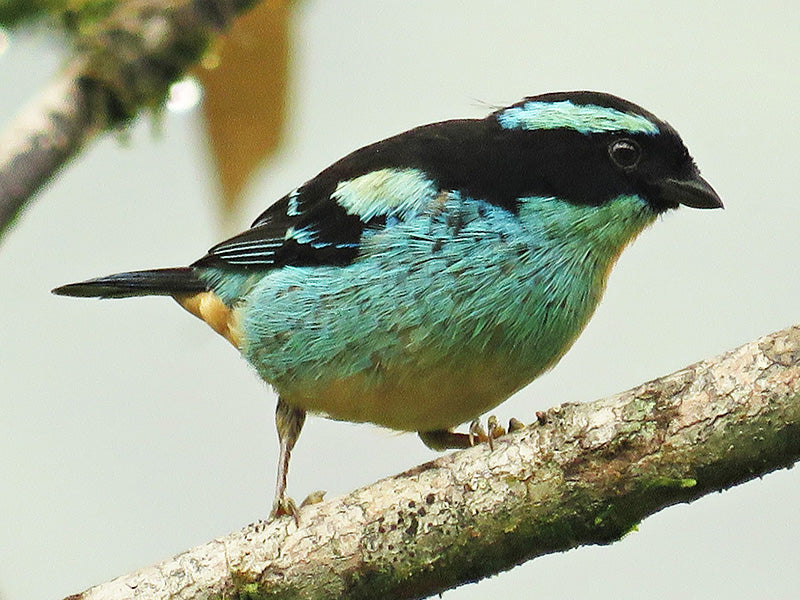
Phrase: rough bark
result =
(582, 474)
(124, 64)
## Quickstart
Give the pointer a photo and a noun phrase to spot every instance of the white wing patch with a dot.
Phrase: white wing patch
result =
(387, 192)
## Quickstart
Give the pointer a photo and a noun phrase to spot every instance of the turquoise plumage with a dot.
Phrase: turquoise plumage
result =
(490, 305)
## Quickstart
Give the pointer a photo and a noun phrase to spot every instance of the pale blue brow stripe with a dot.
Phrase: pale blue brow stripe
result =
(585, 118)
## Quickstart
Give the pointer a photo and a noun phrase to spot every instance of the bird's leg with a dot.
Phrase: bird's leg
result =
(444, 439)
(289, 421)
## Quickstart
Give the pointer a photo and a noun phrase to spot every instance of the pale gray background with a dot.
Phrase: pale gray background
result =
(129, 431)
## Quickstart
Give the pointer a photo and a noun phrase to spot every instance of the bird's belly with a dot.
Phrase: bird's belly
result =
(412, 368)
(438, 397)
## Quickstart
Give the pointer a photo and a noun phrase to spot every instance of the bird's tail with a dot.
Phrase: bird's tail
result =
(155, 282)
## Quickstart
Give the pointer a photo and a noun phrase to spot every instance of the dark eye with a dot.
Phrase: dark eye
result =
(625, 153)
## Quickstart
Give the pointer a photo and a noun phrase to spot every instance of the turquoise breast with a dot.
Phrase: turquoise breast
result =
(443, 315)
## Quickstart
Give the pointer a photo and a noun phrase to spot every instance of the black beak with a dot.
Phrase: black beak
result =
(695, 192)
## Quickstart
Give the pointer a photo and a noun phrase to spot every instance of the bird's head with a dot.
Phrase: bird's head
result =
(590, 148)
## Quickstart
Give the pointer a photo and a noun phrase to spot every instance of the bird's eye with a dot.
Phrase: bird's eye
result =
(625, 153)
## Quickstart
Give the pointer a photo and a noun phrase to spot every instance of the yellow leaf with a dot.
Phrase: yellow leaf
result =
(244, 99)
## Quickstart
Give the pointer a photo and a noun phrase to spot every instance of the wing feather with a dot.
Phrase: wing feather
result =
(322, 221)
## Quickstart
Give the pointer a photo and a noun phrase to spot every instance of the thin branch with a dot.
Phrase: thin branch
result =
(41, 139)
(583, 474)
(123, 65)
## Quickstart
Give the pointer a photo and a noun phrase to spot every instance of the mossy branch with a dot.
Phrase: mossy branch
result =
(582, 474)
(123, 63)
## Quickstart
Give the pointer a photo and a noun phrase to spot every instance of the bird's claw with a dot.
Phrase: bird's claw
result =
(313, 498)
(515, 425)
(493, 430)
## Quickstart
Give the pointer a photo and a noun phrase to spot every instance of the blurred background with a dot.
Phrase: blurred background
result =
(130, 432)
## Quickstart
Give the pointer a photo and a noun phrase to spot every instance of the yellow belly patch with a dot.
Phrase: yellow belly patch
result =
(221, 317)
(438, 398)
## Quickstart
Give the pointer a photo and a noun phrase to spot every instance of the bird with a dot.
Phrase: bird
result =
(421, 280)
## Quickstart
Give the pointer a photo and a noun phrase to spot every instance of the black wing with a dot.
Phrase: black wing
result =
(309, 227)
(320, 232)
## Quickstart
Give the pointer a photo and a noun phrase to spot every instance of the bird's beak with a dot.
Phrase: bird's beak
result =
(695, 192)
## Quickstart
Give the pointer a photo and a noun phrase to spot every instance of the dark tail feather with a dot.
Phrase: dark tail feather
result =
(156, 282)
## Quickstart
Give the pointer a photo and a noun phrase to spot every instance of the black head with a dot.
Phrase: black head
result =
(590, 147)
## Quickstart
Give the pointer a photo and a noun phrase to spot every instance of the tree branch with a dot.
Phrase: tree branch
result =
(124, 64)
(583, 474)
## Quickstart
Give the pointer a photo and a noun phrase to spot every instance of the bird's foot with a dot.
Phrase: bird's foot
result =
(443, 439)
(493, 430)
(477, 434)
(285, 506)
